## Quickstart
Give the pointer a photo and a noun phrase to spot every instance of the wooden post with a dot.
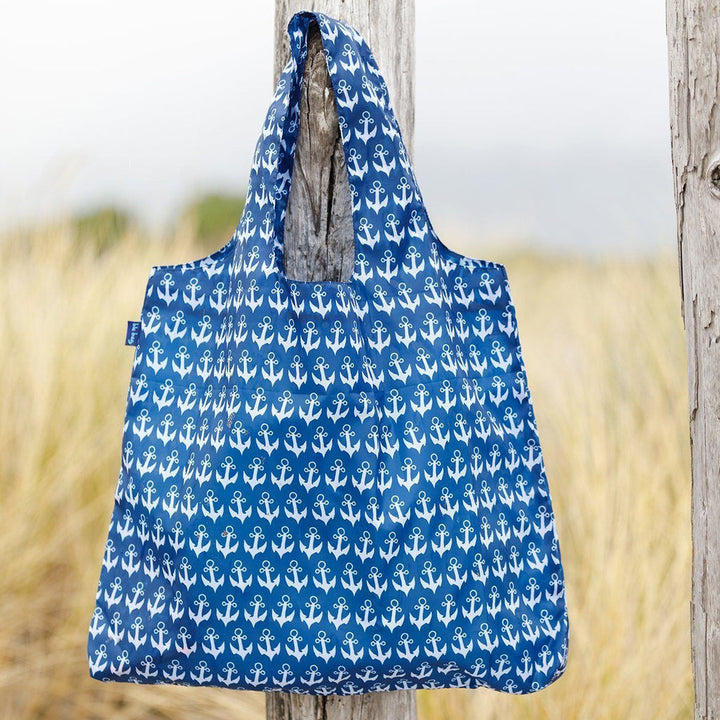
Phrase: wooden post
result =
(319, 231)
(694, 54)
(318, 226)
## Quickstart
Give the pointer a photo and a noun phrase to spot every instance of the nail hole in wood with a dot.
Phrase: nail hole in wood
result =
(715, 179)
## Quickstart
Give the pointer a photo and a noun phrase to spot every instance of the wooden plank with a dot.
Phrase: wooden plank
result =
(694, 48)
(319, 232)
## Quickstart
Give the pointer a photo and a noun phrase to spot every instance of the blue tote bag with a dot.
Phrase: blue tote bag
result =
(331, 487)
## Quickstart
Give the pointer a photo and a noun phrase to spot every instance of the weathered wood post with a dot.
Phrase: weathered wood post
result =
(693, 28)
(319, 230)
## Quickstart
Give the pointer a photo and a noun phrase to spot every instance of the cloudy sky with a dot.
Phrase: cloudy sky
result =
(545, 122)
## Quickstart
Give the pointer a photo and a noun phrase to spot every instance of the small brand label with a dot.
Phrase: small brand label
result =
(133, 332)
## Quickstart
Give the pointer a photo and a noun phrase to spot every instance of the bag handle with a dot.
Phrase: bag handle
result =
(384, 193)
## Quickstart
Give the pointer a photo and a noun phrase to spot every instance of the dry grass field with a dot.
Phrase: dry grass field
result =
(605, 357)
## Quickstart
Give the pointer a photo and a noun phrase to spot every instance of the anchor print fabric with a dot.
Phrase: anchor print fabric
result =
(328, 487)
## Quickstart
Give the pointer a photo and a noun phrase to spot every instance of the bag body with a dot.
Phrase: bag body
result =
(331, 487)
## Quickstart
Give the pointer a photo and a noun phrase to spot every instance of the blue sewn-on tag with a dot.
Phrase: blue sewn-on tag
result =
(133, 332)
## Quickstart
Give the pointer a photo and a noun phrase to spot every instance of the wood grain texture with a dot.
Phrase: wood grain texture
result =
(398, 705)
(694, 48)
(319, 243)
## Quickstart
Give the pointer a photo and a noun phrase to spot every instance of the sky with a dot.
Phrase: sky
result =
(546, 123)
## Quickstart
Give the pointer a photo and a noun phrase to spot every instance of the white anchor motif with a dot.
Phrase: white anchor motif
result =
(331, 487)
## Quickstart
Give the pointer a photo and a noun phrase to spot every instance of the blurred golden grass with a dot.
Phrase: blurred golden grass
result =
(605, 356)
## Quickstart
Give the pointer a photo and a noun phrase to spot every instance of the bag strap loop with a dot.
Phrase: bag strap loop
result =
(384, 193)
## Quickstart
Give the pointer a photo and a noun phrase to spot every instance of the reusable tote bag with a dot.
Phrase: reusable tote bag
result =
(331, 487)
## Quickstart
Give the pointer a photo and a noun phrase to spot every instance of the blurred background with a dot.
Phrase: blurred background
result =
(542, 142)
